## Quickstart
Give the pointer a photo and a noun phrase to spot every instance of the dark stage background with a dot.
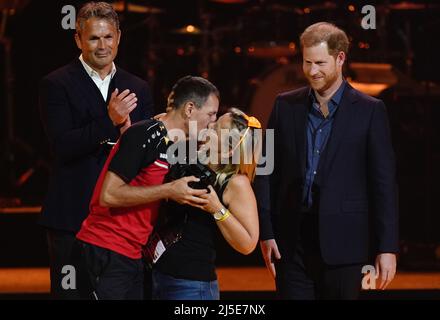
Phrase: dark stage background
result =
(249, 49)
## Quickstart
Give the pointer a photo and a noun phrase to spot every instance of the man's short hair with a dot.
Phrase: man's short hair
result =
(191, 89)
(335, 37)
(100, 10)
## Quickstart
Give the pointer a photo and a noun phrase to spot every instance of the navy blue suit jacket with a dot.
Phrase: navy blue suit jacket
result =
(355, 186)
(75, 118)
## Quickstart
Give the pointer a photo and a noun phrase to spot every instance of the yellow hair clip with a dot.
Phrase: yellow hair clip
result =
(253, 122)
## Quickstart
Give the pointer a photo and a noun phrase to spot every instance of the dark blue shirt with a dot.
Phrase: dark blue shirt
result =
(318, 133)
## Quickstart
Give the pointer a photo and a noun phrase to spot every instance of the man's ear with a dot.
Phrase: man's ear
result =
(119, 36)
(78, 40)
(340, 59)
(189, 108)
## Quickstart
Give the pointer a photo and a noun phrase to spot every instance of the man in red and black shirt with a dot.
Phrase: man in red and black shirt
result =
(126, 199)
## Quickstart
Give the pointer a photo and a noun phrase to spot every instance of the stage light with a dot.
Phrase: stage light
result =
(190, 28)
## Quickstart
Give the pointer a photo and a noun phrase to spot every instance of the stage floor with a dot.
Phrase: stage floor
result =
(237, 279)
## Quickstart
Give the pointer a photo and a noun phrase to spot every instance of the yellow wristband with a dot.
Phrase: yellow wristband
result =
(225, 216)
(222, 214)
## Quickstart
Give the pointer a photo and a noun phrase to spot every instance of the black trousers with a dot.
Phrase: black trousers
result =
(111, 276)
(64, 258)
(305, 276)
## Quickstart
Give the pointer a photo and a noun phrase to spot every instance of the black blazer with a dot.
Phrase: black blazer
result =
(74, 115)
(355, 185)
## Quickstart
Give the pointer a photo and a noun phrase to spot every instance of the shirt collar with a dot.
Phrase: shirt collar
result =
(335, 99)
(92, 73)
(337, 96)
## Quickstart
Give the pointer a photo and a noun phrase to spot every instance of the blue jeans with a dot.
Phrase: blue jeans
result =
(166, 287)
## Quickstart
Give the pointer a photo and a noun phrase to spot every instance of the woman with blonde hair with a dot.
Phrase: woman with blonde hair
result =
(186, 270)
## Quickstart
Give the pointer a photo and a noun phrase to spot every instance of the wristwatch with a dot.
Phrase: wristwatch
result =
(220, 214)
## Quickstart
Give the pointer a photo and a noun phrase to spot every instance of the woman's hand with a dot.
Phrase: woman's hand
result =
(214, 205)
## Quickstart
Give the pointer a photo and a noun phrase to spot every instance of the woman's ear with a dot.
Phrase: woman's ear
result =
(226, 152)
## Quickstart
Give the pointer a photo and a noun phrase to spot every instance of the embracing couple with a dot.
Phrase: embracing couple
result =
(128, 195)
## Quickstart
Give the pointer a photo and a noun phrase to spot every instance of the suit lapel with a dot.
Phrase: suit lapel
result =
(114, 83)
(342, 121)
(90, 93)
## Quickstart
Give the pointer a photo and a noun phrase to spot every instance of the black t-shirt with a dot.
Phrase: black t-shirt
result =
(142, 144)
(193, 256)
(139, 159)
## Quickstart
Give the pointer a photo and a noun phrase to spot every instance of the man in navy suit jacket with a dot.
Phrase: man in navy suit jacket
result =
(331, 199)
(85, 106)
